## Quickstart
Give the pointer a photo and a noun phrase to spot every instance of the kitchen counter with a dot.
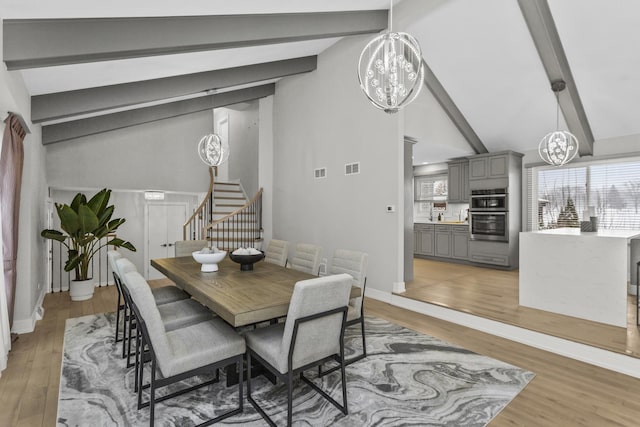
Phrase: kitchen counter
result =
(579, 274)
(441, 222)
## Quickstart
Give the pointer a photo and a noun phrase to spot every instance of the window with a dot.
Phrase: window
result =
(431, 188)
(562, 197)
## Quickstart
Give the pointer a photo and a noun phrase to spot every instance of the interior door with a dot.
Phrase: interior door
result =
(164, 227)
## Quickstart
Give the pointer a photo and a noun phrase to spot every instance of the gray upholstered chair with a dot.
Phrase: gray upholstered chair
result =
(353, 263)
(162, 295)
(311, 335)
(307, 258)
(277, 252)
(186, 247)
(182, 353)
(174, 315)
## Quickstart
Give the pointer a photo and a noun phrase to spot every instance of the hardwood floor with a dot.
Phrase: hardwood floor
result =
(493, 294)
(563, 393)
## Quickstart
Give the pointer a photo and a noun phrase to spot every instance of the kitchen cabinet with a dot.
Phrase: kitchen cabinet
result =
(460, 243)
(458, 182)
(496, 253)
(489, 166)
(443, 241)
(423, 235)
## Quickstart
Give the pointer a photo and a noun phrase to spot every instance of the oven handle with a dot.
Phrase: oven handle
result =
(486, 196)
(487, 213)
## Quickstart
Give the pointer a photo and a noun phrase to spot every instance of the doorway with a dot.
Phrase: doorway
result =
(164, 223)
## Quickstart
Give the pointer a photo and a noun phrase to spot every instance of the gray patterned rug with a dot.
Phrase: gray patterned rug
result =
(407, 379)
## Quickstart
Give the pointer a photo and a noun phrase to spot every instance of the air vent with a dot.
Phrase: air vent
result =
(352, 168)
(320, 173)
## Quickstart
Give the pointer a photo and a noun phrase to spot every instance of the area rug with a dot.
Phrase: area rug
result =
(407, 379)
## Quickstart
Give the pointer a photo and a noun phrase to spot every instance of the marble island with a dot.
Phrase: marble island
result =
(579, 274)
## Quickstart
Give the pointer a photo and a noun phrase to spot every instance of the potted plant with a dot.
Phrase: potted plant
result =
(85, 224)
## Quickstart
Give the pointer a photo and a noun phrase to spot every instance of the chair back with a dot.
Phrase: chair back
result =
(321, 337)
(277, 252)
(353, 263)
(124, 266)
(186, 247)
(307, 258)
(146, 310)
(112, 257)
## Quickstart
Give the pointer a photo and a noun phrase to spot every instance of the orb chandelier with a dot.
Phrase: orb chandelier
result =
(390, 69)
(212, 150)
(559, 147)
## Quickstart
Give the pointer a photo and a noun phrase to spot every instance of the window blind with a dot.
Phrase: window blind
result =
(431, 188)
(562, 197)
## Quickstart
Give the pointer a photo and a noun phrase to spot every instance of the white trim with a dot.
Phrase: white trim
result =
(398, 287)
(595, 356)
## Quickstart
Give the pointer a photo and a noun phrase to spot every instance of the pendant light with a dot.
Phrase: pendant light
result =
(559, 147)
(213, 151)
(390, 69)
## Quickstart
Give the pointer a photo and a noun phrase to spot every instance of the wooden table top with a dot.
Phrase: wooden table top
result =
(239, 297)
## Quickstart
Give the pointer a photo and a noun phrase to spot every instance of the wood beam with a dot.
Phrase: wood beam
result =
(545, 36)
(61, 105)
(452, 110)
(30, 43)
(94, 125)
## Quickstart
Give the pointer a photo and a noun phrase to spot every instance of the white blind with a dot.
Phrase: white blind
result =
(431, 187)
(562, 197)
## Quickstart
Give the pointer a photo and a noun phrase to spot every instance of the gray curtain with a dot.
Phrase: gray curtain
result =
(11, 160)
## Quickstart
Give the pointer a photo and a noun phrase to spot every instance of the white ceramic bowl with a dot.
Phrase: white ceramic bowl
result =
(209, 261)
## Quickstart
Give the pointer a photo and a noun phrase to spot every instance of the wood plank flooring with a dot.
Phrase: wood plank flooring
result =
(564, 393)
(493, 294)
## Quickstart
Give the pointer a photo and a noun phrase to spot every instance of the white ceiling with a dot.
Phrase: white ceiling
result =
(481, 51)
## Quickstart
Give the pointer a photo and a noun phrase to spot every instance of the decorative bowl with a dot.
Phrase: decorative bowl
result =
(246, 261)
(209, 261)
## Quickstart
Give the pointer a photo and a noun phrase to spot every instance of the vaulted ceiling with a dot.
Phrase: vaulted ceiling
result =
(491, 61)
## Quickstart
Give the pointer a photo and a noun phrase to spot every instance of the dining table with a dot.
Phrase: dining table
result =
(240, 298)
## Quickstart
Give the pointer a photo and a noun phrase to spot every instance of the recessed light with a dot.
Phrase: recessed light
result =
(425, 163)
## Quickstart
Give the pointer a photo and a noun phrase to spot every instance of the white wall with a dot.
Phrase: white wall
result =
(31, 248)
(265, 164)
(322, 119)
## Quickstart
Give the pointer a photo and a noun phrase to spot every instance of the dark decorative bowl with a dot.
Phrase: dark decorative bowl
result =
(246, 261)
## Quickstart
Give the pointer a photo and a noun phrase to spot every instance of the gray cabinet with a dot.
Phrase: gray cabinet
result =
(423, 239)
(443, 241)
(458, 182)
(490, 166)
(460, 243)
(496, 253)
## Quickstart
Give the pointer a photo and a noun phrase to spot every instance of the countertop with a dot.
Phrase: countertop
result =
(622, 234)
(426, 221)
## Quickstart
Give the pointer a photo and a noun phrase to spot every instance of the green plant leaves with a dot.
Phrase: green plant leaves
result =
(69, 220)
(99, 202)
(88, 219)
(121, 244)
(53, 235)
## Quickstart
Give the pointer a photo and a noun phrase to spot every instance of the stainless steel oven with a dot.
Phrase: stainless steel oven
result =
(489, 225)
(489, 200)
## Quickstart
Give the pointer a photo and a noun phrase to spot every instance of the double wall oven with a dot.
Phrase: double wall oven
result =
(489, 214)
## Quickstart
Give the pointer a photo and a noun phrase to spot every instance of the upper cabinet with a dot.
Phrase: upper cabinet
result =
(458, 181)
(491, 166)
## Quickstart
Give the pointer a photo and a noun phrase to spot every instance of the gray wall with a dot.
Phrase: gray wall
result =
(31, 248)
(322, 119)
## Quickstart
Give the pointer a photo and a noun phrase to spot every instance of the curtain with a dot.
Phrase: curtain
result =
(11, 161)
(5, 332)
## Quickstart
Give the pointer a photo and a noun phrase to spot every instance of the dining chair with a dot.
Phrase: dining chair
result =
(277, 252)
(176, 314)
(182, 353)
(312, 334)
(307, 258)
(353, 263)
(186, 247)
(162, 295)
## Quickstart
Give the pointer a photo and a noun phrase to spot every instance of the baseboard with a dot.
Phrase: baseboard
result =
(25, 326)
(595, 356)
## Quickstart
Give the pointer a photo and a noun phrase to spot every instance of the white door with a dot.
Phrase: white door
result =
(164, 228)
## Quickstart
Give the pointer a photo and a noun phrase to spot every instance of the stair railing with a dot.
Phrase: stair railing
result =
(192, 229)
(240, 228)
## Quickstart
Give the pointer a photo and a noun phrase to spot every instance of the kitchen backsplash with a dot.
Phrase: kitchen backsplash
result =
(425, 211)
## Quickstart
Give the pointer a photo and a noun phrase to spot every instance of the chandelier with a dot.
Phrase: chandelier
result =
(390, 69)
(212, 150)
(559, 147)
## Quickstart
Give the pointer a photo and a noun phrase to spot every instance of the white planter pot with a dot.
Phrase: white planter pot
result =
(81, 289)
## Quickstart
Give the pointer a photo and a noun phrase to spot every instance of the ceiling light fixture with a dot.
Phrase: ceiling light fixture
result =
(213, 151)
(559, 147)
(390, 69)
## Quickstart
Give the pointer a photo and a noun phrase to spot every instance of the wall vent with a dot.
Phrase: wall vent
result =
(320, 173)
(352, 168)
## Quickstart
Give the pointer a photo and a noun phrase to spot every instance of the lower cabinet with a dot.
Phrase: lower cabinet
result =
(444, 241)
(496, 253)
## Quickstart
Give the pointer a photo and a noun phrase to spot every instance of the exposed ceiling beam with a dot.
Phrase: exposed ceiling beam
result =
(547, 41)
(94, 125)
(61, 105)
(30, 43)
(452, 110)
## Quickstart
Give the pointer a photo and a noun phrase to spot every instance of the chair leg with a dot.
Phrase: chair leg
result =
(126, 323)
(152, 396)
(364, 340)
(289, 398)
(118, 308)
(345, 409)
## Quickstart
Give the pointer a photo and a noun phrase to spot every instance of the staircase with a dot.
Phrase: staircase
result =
(226, 218)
